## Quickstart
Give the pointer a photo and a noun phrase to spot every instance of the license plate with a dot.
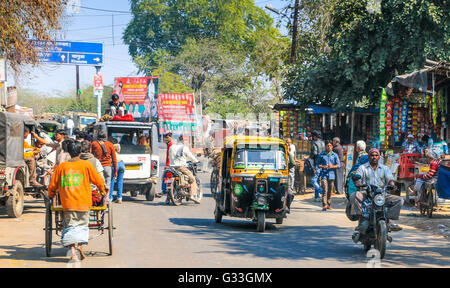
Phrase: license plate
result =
(132, 167)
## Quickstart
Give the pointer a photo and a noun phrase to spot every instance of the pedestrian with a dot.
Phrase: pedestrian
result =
(86, 149)
(291, 166)
(361, 159)
(104, 151)
(339, 183)
(69, 126)
(328, 163)
(169, 141)
(317, 147)
(119, 178)
(73, 181)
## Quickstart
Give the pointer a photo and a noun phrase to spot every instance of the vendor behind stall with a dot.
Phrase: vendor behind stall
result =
(411, 145)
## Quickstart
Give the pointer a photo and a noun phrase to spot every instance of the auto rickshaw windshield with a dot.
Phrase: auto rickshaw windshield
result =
(260, 156)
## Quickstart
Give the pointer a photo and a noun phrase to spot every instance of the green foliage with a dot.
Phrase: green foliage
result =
(368, 49)
(161, 27)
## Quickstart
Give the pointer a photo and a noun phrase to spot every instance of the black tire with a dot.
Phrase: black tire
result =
(48, 229)
(134, 193)
(380, 242)
(214, 182)
(173, 196)
(14, 203)
(150, 192)
(218, 214)
(110, 229)
(261, 217)
(430, 203)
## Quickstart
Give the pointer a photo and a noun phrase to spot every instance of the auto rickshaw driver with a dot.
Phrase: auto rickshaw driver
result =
(29, 157)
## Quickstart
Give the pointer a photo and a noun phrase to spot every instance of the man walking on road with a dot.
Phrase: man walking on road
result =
(339, 183)
(317, 147)
(104, 151)
(73, 181)
(328, 163)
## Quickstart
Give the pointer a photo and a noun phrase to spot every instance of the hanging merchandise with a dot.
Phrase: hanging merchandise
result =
(404, 121)
(383, 115)
(389, 117)
(396, 119)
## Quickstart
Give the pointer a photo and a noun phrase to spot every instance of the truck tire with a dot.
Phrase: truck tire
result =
(14, 203)
(150, 192)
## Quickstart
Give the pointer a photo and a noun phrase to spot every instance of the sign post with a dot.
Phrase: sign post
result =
(98, 90)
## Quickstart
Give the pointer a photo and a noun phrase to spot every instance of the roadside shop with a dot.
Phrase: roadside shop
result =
(414, 106)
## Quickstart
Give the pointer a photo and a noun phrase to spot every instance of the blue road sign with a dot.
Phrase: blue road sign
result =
(70, 53)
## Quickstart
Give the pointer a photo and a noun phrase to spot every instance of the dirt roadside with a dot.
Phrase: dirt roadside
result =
(439, 224)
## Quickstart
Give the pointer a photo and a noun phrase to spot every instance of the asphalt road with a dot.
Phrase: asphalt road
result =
(152, 234)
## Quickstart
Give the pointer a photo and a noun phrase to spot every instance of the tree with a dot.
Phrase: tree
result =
(160, 28)
(21, 20)
(368, 48)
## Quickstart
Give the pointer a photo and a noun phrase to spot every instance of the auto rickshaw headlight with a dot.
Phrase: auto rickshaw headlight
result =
(262, 201)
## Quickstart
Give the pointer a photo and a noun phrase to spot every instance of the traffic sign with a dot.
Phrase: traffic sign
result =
(70, 53)
(98, 82)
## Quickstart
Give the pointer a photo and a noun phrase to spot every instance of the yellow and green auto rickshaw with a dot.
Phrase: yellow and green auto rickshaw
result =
(253, 179)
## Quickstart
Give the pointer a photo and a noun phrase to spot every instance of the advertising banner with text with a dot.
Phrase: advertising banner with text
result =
(139, 95)
(176, 114)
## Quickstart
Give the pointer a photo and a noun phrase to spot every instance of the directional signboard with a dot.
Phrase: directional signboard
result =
(70, 53)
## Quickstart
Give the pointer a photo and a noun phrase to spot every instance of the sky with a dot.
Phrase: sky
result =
(90, 25)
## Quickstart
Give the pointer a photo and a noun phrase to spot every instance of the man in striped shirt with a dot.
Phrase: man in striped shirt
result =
(432, 173)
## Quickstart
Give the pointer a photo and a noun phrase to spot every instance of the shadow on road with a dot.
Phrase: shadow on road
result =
(306, 242)
(36, 253)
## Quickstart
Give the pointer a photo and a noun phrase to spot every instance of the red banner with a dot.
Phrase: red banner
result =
(176, 113)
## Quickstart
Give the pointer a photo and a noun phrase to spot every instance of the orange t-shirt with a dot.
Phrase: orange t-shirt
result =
(73, 181)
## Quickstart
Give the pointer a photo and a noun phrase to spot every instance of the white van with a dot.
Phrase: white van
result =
(139, 152)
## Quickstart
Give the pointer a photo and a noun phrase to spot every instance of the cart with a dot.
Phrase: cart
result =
(406, 172)
(97, 221)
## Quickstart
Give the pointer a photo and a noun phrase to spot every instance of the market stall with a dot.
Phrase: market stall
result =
(414, 119)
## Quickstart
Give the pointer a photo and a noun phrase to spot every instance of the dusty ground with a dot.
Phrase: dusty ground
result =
(439, 224)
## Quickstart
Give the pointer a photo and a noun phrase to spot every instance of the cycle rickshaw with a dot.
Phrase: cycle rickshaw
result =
(97, 221)
(435, 190)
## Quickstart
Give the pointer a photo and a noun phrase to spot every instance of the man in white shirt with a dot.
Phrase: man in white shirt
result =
(179, 155)
(69, 126)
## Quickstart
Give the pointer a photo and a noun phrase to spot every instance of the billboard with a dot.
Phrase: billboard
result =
(176, 114)
(139, 95)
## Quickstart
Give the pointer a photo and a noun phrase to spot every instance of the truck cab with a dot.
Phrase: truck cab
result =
(139, 152)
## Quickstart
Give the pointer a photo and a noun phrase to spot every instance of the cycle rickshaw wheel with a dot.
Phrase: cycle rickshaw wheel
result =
(110, 228)
(48, 230)
(430, 203)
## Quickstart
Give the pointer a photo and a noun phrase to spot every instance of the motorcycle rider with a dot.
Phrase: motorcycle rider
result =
(373, 173)
(179, 155)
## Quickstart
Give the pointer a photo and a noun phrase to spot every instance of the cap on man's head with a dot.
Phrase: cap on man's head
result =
(411, 136)
(337, 139)
(374, 150)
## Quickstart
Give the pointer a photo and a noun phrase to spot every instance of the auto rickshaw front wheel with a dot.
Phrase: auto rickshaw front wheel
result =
(261, 217)
(14, 203)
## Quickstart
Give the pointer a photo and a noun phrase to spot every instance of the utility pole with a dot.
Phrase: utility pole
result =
(78, 83)
(294, 33)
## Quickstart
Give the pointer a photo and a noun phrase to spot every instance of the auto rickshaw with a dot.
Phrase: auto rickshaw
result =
(253, 179)
(14, 172)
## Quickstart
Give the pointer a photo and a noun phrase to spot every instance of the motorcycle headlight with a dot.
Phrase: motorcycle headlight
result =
(379, 199)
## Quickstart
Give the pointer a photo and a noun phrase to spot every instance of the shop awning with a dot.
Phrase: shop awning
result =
(316, 109)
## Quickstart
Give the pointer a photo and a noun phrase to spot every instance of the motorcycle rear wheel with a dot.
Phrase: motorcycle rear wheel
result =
(175, 196)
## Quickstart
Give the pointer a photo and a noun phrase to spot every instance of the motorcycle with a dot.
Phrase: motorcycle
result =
(374, 210)
(177, 184)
